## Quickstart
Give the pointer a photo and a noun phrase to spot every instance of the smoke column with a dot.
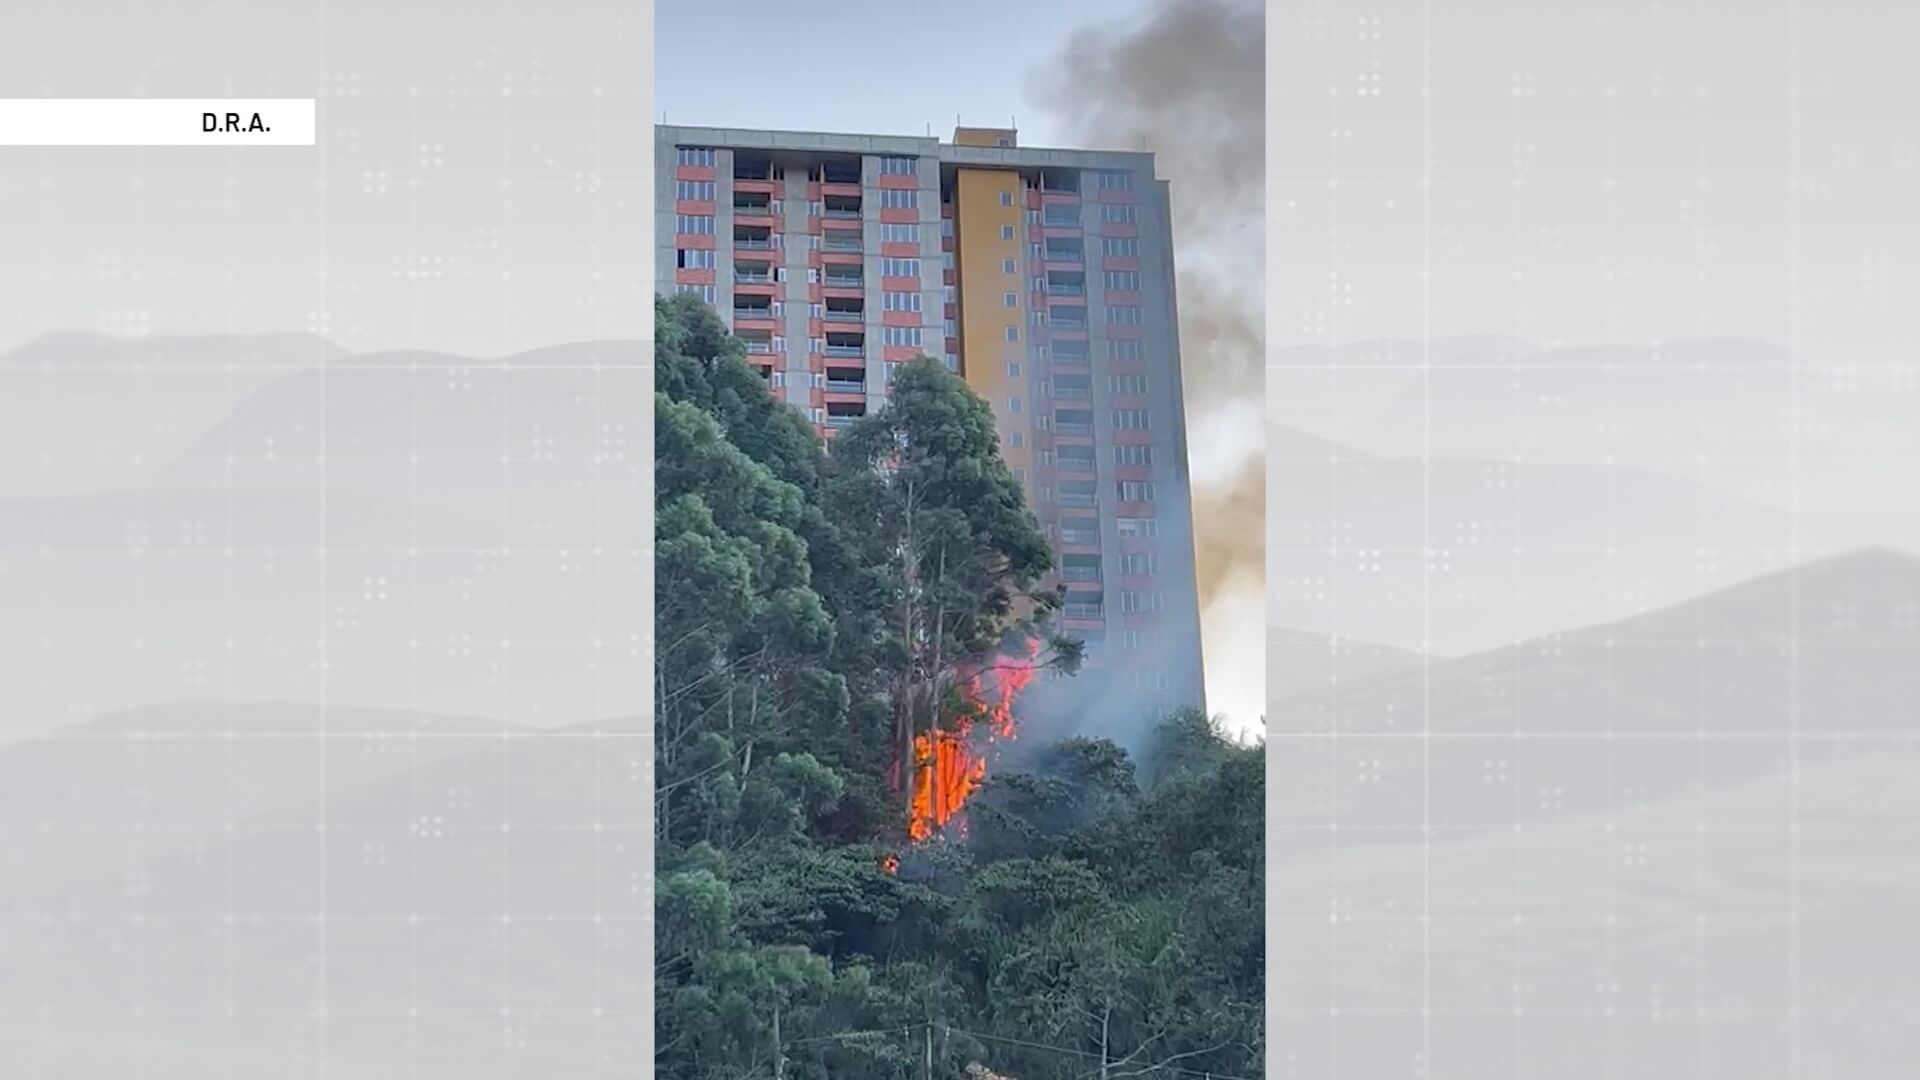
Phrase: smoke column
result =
(1188, 84)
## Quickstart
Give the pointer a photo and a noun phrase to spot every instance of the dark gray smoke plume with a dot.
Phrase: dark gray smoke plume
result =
(1188, 84)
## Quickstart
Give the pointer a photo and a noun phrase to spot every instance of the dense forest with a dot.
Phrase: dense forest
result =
(823, 610)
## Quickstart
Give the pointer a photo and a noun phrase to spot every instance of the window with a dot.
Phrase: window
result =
(1117, 213)
(1124, 314)
(1124, 349)
(1138, 602)
(1002, 140)
(1038, 352)
(899, 233)
(1010, 299)
(1019, 475)
(1138, 491)
(1013, 368)
(902, 199)
(704, 292)
(1013, 406)
(951, 329)
(695, 155)
(695, 258)
(1013, 333)
(946, 227)
(953, 362)
(779, 344)
(1123, 281)
(1017, 439)
(1132, 526)
(1006, 198)
(1006, 232)
(695, 224)
(946, 261)
(1132, 454)
(693, 189)
(1120, 247)
(1032, 215)
(1131, 419)
(1113, 180)
(900, 301)
(1039, 317)
(898, 166)
(1006, 267)
(900, 335)
(1133, 563)
(899, 267)
(1035, 252)
(1129, 385)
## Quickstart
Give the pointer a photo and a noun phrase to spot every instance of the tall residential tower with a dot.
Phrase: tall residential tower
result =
(1044, 277)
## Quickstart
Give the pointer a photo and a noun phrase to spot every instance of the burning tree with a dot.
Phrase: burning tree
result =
(947, 528)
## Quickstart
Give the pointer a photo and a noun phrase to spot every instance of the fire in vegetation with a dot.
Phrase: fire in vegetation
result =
(950, 765)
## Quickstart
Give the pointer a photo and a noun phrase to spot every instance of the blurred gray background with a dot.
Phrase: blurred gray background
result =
(323, 573)
(1593, 415)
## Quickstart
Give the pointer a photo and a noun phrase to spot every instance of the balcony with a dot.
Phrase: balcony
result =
(1074, 610)
(852, 351)
(1079, 501)
(762, 208)
(1072, 393)
(1066, 290)
(844, 281)
(844, 315)
(743, 276)
(840, 241)
(752, 243)
(846, 386)
(839, 421)
(757, 345)
(1073, 427)
(1080, 573)
(1080, 537)
(1074, 464)
(1064, 253)
(1061, 215)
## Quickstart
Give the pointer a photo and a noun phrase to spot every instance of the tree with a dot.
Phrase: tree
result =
(921, 483)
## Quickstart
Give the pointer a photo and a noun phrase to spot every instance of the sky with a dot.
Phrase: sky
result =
(995, 77)
(985, 78)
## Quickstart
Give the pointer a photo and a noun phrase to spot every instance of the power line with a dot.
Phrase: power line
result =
(1009, 1041)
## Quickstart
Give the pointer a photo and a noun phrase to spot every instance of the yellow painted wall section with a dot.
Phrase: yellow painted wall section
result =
(980, 251)
(974, 136)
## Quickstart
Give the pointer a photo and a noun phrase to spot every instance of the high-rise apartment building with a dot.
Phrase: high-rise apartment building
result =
(1044, 277)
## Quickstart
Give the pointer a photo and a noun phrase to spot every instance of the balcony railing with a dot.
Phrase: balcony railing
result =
(753, 209)
(1069, 464)
(840, 242)
(1064, 255)
(1066, 290)
(1079, 501)
(758, 346)
(1069, 218)
(1064, 428)
(1061, 356)
(841, 213)
(847, 386)
(842, 421)
(751, 312)
(748, 243)
(762, 278)
(846, 350)
(845, 282)
(1081, 611)
(843, 316)
(1080, 573)
(1066, 324)
(1072, 393)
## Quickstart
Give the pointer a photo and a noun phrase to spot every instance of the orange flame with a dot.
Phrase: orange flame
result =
(949, 767)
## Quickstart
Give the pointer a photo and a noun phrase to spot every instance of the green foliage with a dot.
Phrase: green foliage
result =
(814, 609)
